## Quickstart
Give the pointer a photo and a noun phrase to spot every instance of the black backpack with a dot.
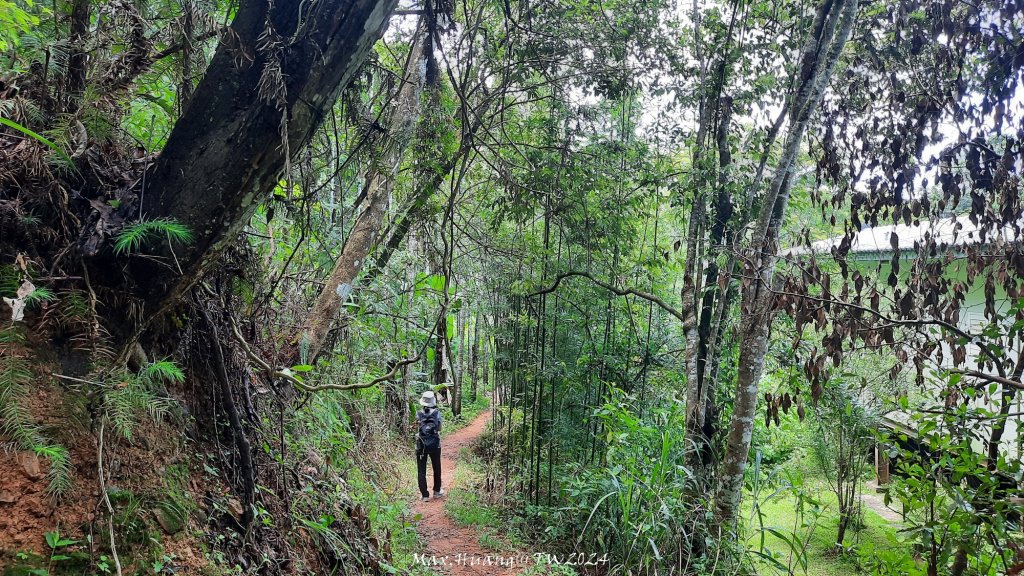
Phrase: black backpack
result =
(428, 438)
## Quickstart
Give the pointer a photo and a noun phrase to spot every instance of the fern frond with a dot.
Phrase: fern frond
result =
(60, 469)
(17, 424)
(128, 403)
(136, 394)
(124, 404)
(40, 294)
(10, 280)
(132, 237)
(11, 336)
(164, 370)
(73, 308)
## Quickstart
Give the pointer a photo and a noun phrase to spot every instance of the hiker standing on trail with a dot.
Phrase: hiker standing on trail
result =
(428, 444)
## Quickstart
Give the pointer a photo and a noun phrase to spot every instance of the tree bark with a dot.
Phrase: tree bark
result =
(474, 360)
(380, 183)
(77, 57)
(451, 369)
(700, 429)
(830, 31)
(266, 91)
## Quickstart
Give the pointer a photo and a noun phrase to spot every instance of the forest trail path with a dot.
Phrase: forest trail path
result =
(873, 500)
(445, 539)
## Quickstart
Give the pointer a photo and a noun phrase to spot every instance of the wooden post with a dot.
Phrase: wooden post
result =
(881, 466)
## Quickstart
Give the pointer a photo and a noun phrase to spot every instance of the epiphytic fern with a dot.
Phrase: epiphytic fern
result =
(134, 235)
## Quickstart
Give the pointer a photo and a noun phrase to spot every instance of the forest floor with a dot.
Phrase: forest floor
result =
(450, 547)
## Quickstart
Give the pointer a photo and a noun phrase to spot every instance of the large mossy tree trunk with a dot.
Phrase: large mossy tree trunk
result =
(275, 75)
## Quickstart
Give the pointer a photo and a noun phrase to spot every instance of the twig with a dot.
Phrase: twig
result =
(374, 382)
(989, 377)
(106, 498)
(177, 47)
(73, 379)
(281, 373)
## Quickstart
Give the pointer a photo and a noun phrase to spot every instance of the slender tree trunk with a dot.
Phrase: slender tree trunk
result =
(474, 360)
(407, 371)
(452, 368)
(380, 182)
(488, 358)
(258, 105)
(695, 227)
(701, 424)
(77, 57)
(830, 31)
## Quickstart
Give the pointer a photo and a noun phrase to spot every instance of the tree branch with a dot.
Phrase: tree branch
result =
(618, 291)
(179, 46)
(284, 375)
(988, 377)
(917, 323)
(371, 383)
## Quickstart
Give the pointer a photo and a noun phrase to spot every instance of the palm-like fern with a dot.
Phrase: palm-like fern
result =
(15, 421)
(134, 235)
(135, 394)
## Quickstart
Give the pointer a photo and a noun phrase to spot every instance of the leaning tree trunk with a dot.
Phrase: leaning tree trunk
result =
(380, 182)
(267, 89)
(829, 33)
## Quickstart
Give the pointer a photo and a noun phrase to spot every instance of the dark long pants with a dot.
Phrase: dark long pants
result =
(421, 467)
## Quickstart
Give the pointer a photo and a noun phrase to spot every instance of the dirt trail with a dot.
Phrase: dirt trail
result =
(444, 540)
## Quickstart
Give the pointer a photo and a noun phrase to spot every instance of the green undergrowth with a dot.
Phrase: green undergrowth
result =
(799, 511)
(467, 506)
(874, 541)
(387, 508)
(373, 471)
(467, 503)
(548, 569)
(470, 410)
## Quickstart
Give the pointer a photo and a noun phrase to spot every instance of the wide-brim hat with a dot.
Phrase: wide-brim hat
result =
(428, 399)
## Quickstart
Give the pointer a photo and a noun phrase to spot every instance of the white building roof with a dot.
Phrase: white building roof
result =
(877, 242)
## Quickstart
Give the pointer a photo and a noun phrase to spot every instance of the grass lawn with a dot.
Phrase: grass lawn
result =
(822, 559)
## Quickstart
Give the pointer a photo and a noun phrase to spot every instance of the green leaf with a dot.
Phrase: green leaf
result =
(302, 368)
(39, 138)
